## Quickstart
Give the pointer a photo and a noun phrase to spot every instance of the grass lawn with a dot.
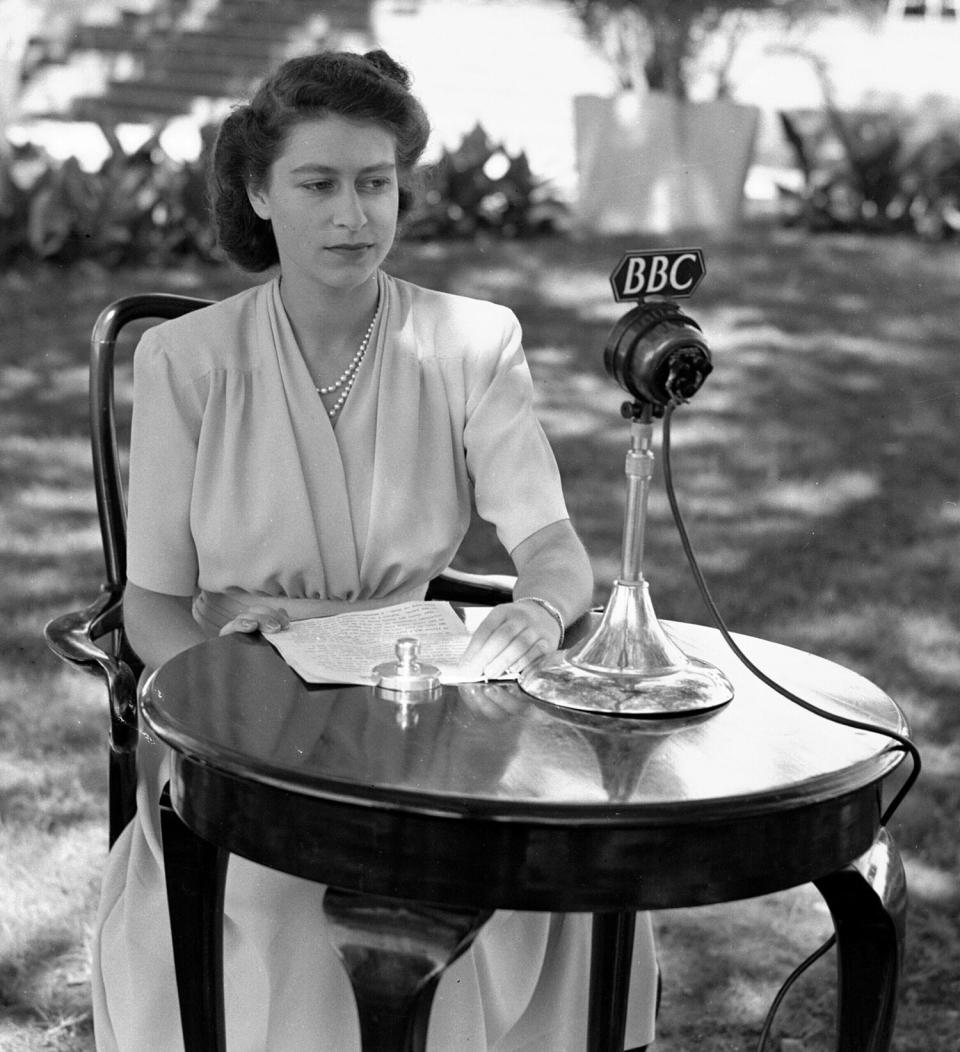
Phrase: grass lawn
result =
(819, 473)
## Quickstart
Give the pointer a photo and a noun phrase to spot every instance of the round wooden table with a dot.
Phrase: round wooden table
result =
(423, 818)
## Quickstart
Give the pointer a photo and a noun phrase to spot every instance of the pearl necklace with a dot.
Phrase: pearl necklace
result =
(349, 375)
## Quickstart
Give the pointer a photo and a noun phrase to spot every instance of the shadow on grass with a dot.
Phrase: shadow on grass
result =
(817, 471)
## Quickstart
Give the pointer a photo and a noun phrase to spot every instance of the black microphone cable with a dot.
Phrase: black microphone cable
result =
(901, 740)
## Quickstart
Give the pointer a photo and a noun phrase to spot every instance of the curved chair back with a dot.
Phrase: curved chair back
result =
(107, 477)
(93, 639)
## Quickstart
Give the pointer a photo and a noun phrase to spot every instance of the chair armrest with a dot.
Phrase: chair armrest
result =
(72, 638)
(481, 589)
(459, 586)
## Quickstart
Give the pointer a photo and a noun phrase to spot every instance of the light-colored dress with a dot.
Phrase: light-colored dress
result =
(240, 486)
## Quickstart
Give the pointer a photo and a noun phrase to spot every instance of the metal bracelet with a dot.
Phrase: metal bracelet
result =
(550, 609)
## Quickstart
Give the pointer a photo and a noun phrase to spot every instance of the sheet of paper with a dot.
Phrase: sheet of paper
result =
(345, 648)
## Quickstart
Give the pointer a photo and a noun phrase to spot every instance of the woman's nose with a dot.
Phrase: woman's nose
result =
(350, 211)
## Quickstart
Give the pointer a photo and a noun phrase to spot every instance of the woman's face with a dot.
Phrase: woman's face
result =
(332, 197)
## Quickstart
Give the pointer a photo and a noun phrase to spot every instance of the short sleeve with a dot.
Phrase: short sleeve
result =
(167, 413)
(514, 472)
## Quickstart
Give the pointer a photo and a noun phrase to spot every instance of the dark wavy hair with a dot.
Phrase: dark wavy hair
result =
(369, 87)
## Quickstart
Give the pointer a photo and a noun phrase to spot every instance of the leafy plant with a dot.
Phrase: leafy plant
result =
(14, 202)
(872, 170)
(141, 207)
(481, 187)
(137, 207)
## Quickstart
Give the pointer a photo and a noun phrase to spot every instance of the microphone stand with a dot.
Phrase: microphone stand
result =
(629, 665)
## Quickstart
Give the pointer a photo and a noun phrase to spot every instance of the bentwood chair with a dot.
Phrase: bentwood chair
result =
(93, 639)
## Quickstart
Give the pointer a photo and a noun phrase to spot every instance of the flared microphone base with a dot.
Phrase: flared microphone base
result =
(629, 666)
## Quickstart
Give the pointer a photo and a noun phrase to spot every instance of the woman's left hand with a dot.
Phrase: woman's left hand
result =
(510, 638)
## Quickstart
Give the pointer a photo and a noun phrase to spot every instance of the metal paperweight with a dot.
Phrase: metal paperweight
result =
(407, 680)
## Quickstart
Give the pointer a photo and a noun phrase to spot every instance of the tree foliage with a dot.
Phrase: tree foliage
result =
(656, 39)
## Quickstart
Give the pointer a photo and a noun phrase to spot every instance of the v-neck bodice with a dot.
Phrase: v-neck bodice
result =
(340, 450)
(240, 483)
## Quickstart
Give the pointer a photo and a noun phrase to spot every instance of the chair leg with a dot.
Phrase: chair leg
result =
(610, 960)
(868, 903)
(196, 873)
(123, 791)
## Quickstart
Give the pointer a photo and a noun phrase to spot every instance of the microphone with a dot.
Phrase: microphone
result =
(629, 665)
(658, 354)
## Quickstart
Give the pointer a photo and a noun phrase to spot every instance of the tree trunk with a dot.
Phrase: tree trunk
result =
(666, 65)
(17, 20)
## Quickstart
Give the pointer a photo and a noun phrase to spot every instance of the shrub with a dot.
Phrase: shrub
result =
(138, 206)
(143, 207)
(873, 171)
(480, 187)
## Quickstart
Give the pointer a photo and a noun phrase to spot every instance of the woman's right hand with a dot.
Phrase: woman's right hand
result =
(258, 619)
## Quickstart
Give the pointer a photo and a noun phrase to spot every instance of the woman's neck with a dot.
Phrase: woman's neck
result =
(328, 318)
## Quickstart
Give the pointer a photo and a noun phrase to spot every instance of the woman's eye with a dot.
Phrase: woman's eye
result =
(319, 185)
(376, 183)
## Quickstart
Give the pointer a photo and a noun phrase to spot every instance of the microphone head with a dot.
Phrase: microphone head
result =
(658, 354)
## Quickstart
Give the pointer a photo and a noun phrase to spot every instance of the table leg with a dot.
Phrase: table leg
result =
(868, 903)
(610, 960)
(395, 953)
(195, 873)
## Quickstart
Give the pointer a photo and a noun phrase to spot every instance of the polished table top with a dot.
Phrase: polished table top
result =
(753, 797)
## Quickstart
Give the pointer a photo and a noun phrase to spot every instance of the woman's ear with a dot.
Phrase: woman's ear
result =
(258, 202)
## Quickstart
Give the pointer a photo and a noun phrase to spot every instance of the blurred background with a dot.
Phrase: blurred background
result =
(811, 147)
(607, 116)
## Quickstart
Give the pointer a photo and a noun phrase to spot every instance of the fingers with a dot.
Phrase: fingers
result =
(258, 619)
(489, 700)
(514, 664)
(510, 639)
